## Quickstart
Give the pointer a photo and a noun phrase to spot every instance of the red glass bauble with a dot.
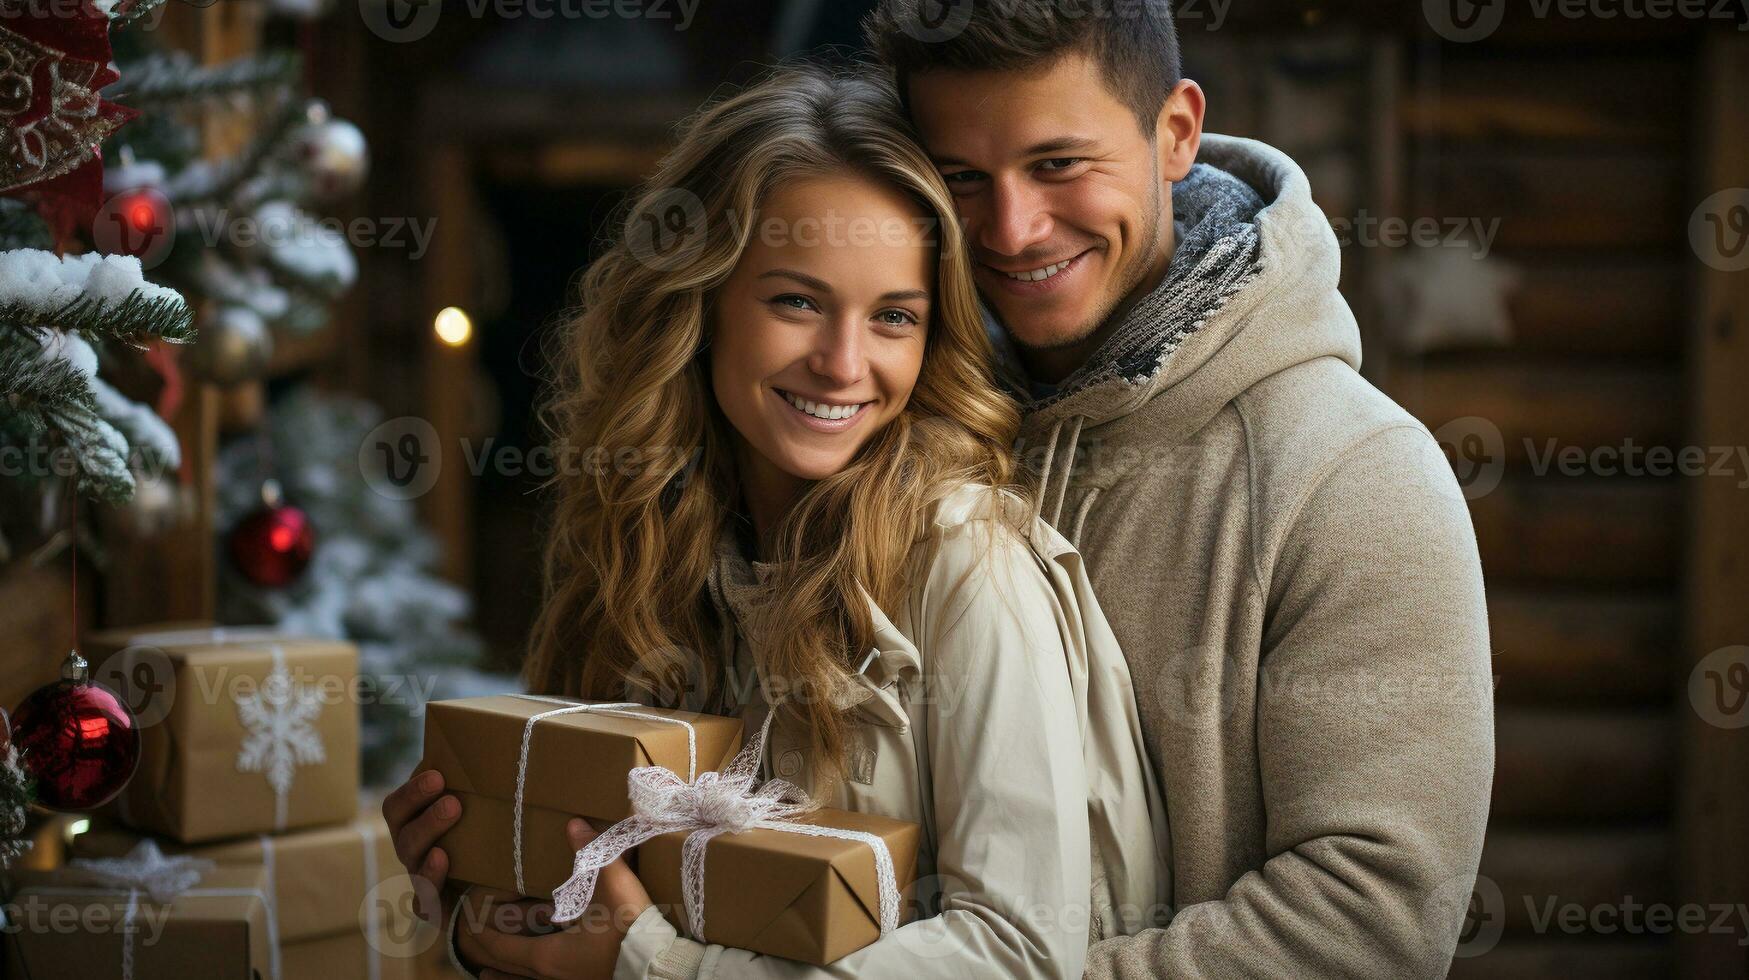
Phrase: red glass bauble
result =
(272, 546)
(78, 741)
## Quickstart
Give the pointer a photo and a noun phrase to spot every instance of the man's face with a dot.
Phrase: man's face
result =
(1064, 200)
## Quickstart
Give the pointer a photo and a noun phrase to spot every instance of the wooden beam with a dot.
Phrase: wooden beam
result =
(1543, 412)
(1614, 533)
(1544, 869)
(449, 371)
(1583, 649)
(1549, 765)
(1714, 812)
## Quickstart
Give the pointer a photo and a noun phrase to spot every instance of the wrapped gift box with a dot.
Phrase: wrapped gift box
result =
(320, 882)
(815, 899)
(243, 731)
(577, 766)
(216, 930)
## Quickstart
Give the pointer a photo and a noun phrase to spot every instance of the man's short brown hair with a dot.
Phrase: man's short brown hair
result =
(1135, 42)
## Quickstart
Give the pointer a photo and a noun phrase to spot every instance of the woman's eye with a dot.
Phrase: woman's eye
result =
(793, 301)
(896, 318)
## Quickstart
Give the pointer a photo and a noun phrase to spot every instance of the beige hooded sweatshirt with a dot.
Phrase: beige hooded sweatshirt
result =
(1289, 566)
(995, 709)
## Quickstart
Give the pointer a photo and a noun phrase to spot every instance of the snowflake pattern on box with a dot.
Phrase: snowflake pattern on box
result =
(279, 718)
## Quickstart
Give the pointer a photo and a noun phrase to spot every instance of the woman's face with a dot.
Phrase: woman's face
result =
(818, 335)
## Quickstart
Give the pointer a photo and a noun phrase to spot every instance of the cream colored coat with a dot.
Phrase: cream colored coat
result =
(1000, 716)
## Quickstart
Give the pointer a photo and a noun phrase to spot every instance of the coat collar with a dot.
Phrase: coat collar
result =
(736, 585)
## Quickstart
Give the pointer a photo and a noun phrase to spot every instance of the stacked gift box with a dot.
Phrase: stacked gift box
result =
(238, 849)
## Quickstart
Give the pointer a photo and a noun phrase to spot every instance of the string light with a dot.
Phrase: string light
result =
(453, 326)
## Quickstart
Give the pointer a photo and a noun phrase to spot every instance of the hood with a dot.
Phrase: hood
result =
(1251, 290)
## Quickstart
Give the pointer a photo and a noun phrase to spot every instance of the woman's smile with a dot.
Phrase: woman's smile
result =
(824, 415)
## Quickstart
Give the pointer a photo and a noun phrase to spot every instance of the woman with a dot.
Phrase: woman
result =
(792, 296)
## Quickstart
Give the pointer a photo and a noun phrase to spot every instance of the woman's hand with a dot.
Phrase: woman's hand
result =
(417, 817)
(517, 944)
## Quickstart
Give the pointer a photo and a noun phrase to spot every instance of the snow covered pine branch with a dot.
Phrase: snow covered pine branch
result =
(51, 310)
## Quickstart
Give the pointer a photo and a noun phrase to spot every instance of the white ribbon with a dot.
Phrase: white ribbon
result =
(162, 878)
(627, 709)
(732, 801)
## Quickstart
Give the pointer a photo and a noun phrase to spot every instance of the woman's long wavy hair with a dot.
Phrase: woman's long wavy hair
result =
(630, 548)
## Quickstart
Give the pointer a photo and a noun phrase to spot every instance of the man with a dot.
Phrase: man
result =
(1280, 549)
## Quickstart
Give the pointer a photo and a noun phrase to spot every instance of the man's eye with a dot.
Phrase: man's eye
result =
(962, 177)
(1059, 163)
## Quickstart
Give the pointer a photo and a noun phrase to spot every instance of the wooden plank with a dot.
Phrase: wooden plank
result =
(36, 620)
(1562, 199)
(1541, 872)
(1579, 532)
(1544, 412)
(1559, 959)
(1576, 306)
(1591, 649)
(1714, 861)
(1613, 101)
(449, 371)
(1549, 765)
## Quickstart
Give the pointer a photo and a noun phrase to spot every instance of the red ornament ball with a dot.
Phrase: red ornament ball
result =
(272, 546)
(79, 743)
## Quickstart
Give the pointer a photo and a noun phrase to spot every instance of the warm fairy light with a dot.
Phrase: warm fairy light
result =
(453, 326)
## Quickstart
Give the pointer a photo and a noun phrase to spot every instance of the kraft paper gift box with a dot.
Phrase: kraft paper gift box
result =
(814, 899)
(328, 887)
(216, 930)
(243, 730)
(577, 766)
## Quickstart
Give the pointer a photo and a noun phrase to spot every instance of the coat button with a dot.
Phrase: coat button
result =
(789, 763)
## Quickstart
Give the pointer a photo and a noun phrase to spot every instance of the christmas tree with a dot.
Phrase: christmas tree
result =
(371, 581)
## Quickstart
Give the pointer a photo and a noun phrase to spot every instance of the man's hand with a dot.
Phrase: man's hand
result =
(515, 941)
(417, 818)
